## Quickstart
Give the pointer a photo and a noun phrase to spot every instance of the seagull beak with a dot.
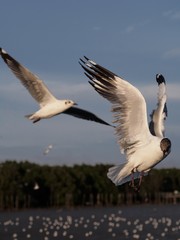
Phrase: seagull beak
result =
(75, 104)
(165, 153)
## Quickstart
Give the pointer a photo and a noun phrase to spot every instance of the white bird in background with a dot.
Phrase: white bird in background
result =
(142, 149)
(36, 186)
(49, 105)
(48, 148)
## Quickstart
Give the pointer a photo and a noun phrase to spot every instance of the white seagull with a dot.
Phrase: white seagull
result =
(48, 148)
(142, 149)
(49, 105)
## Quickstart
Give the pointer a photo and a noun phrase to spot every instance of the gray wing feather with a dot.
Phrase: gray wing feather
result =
(128, 104)
(33, 84)
(159, 115)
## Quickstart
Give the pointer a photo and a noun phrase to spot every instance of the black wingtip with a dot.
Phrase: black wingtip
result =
(91, 83)
(84, 61)
(1, 51)
(160, 78)
(86, 58)
(4, 55)
(81, 61)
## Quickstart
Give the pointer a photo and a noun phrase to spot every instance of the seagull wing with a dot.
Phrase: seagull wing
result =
(128, 105)
(158, 115)
(83, 114)
(33, 84)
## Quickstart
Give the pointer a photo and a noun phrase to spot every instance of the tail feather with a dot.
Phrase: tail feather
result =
(121, 174)
(33, 117)
(28, 116)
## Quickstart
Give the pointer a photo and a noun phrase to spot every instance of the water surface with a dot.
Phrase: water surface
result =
(107, 223)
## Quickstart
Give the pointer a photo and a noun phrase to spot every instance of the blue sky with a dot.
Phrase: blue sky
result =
(135, 39)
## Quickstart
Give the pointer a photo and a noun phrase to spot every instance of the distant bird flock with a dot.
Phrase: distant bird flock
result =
(143, 144)
(90, 223)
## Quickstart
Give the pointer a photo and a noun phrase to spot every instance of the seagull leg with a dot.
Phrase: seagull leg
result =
(132, 184)
(132, 179)
(140, 179)
(137, 188)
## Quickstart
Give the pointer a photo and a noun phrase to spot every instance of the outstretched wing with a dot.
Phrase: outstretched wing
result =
(83, 114)
(128, 105)
(33, 84)
(158, 115)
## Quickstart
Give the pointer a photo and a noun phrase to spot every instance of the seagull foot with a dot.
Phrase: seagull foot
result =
(137, 187)
(132, 183)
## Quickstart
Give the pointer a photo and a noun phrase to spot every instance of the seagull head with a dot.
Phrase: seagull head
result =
(165, 146)
(70, 103)
(160, 79)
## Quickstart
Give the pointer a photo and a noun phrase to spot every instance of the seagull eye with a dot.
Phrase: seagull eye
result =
(67, 102)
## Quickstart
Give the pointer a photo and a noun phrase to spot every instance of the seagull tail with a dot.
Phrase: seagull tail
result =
(121, 174)
(33, 117)
(28, 116)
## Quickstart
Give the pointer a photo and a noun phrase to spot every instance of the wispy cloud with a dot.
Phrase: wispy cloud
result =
(173, 53)
(167, 13)
(172, 14)
(173, 91)
(71, 89)
(55, 82)
(96, 28)
(150, 91)
(67, 88)
(130, 29)
(135, 26)
(14, 91)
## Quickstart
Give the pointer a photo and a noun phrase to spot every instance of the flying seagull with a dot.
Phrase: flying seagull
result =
(142, 149)
(49, 105)
(159, 115)
(48, 148)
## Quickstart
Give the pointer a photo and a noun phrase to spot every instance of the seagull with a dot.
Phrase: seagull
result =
(159, 115)
(142, 149)
(36, 186)
(49, 105)
(48, 148)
